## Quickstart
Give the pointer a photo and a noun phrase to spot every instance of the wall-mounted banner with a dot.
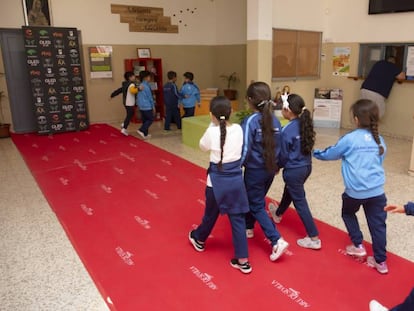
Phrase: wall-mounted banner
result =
(55, 73)
(100, 59)
(144, 19)
(340, 62)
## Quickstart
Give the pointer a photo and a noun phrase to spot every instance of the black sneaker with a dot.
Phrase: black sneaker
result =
(243, 267)
(198, 246)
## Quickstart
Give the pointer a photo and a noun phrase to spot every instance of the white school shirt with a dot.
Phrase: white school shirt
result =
(131, 95)
(232, 147)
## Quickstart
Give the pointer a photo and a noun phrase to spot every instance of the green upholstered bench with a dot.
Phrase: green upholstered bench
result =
(194, 127)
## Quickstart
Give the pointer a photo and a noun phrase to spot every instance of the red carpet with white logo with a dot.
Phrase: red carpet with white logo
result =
(128, 206)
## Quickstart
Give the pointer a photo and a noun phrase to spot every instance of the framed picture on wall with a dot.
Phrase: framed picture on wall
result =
(37, 12)
(144, 53)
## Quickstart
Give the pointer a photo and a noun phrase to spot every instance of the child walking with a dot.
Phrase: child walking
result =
(296, 144)
(190, 95)
(145, 104)
(225, 191)
(171, 97)
(260, 154)
(362, 152)
(129, 91)
(408, 303)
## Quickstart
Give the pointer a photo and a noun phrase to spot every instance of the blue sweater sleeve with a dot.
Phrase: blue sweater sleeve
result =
(409, 208)
(176, 92)
(196, 92)
(284, 149)
(335, 152)
(247, 138)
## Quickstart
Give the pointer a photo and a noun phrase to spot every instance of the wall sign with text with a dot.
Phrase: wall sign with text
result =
(144, 19)
(55, 73)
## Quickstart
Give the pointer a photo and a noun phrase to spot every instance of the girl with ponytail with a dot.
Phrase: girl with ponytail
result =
(362, 152)
(225, 191)
(297, 141)
(260, 160)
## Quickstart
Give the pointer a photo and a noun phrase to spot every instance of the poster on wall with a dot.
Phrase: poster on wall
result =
(100, 60)
(410, 63)
(327, 107)
(340, 62)
(55, 73)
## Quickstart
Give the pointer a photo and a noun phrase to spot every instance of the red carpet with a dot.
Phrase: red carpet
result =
(127, 207)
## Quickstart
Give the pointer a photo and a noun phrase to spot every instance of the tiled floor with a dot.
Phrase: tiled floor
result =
(39, 269)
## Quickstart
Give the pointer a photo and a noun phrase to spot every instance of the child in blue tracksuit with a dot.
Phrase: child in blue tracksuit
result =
(362, 152)
(145, 104)
(225, 191)
(190, 94)
(260, 154)
(171, 97)
(408, 304)
(296, 144)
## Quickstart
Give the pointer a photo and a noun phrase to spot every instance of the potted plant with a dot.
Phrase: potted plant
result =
(230, 79)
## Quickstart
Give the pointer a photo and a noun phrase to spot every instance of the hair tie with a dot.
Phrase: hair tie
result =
(285, 101)
(262, 103)
(303, 108)
(222, 118)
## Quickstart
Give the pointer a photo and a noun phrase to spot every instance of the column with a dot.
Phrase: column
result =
(411, 169)
(259, 40)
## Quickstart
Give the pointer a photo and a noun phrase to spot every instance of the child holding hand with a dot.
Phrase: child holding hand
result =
(362, 152)
(296, 144)
(261, 149)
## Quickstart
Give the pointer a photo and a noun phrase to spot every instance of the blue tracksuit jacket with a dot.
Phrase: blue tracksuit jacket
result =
(362, 169)
(252, 154)
(171, 94)
(291, 155)
(190, 94)
(144, 97)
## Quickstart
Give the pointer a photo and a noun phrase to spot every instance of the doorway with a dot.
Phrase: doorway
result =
(18, 85)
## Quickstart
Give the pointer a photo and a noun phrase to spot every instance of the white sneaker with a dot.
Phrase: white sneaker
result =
(124, 131)
(278, 249)
(376, 306)
(272, 209)
(307, 242)
(249, 233)
(141, 134)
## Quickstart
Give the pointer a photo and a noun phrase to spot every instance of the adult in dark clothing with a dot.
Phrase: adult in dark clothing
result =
(378, 84)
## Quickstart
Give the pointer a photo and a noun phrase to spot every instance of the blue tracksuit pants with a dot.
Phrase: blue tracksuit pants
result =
(237, 221)
(295, 191)
(258, 182)
(375, 215)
